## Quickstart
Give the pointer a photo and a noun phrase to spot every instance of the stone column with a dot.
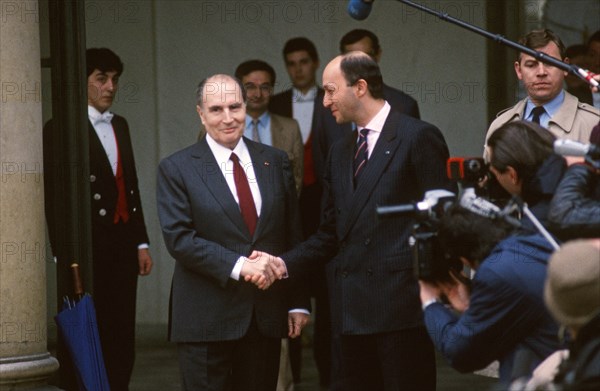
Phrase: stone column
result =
(25, 363)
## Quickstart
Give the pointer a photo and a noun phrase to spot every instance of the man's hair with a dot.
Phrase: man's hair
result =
(594, 38)
(355, 36)
(576, 50)
(465, 234)
(103, 59)
(254, 65)
(355, 67)
(300, 43)
(202, 84)
(537, 39)
(523, 145)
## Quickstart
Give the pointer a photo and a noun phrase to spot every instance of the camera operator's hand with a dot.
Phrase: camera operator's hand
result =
(429, 291)
(457, 292)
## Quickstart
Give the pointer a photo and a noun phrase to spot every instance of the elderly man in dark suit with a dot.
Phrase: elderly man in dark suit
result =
(375, 307)
(263, 126)
(219, 201)
(119, 239)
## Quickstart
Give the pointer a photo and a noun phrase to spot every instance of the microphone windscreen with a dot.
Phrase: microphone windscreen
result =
(359, 9)
(570, 148)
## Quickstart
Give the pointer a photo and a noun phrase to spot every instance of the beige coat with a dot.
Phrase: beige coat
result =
(573, 120)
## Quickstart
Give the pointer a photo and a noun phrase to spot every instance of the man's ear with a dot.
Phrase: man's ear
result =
(513, 174)
(361, 87)
(566, 60)
(518, 70)
(200, 113)
(377, 56)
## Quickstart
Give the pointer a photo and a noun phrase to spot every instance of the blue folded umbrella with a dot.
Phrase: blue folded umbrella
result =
(79, 329)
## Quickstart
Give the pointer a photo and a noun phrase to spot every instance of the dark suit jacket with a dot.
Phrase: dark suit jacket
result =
(506, 313)
(205, 233)
(102, 184)
(370, 276)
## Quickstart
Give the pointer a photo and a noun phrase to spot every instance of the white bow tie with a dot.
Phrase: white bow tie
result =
(104, 117)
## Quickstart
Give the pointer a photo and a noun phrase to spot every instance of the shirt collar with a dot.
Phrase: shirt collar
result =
(550, 107)
(95, 116)
(310, 95)
(377, 122)
(222, 154)
(263, 119)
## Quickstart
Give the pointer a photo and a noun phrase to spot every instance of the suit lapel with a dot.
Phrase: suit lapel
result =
(263, 171)
(380, 158)
(206, 166)
(98, 157)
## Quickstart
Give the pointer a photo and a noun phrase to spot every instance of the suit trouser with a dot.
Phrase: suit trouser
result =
(247, 364)
(310, 211)
(394, 361)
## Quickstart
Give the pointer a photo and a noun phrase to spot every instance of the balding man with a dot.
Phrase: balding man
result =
(219, 200)
(391, 159)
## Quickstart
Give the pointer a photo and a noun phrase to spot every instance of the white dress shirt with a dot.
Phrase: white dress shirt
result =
(375, 126)
(303, 106)
(106, 134)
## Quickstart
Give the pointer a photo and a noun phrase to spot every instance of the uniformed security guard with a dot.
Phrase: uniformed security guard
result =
(547, 103)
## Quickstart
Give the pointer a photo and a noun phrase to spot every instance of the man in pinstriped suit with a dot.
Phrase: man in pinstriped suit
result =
(375, 307)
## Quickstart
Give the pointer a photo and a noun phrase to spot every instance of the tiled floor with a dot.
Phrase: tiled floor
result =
(156, 368)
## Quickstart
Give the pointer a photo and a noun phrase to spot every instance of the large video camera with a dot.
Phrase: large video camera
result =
(467, 171)
(430, 261)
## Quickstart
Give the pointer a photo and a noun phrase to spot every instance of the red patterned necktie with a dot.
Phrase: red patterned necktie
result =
(242, 187)
(362, 154)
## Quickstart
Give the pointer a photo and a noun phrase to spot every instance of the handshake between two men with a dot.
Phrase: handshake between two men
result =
(263, 269)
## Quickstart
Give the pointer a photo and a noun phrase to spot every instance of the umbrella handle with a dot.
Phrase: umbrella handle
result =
(77, 283)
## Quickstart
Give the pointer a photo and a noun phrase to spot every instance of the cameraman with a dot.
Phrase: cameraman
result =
(504, 313)
(522, 158)
(575, 208)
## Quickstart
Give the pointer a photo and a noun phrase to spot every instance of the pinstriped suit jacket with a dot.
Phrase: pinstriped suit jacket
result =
(370, 276)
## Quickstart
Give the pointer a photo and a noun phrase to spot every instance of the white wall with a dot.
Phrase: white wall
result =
(169, 46)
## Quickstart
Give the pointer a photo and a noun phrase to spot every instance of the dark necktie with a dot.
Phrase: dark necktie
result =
(242, 187)
(537, 113)
(362, 154)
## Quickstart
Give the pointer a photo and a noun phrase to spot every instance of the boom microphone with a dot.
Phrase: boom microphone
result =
(360, 9)
(574, 148)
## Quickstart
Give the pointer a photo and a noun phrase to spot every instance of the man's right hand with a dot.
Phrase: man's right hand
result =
(263, 269)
